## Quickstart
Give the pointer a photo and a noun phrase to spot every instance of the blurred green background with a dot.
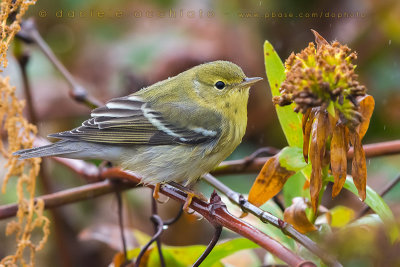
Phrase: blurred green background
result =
(116, 47)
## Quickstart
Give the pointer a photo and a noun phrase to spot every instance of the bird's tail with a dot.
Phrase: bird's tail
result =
(57, 149)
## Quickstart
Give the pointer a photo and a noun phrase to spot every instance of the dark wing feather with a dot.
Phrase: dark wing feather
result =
(130, 120)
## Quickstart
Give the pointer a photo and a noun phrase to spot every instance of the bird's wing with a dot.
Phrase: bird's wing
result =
(131, 120)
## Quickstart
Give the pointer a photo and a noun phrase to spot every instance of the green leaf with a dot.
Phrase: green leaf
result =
(290, 121)
(294, 188)
(176, 256)
(331, 109)
(227, 248)
(292, 158)
(187, 255)
(377, 204)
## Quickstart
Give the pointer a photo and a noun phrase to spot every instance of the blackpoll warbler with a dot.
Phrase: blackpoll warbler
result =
(174, 130)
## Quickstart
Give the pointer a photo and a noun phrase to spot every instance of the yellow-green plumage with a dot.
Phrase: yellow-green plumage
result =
(174, 130)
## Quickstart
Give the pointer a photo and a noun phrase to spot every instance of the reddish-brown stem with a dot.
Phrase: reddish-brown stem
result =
(379, 149)
(70, 196)
(244, 166)
(216, 215)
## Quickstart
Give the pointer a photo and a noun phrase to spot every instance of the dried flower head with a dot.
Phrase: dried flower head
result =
(336, 111)
(323, 77)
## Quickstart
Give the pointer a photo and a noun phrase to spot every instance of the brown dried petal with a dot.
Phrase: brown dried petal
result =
(307, 125)
(319, 135)
(339, 147)
(359, 166)
(269, 181)
(319, 40)
(295, 214)
(367, 104)
(306, 115)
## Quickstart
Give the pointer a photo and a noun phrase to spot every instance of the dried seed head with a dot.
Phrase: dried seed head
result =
(317, 76)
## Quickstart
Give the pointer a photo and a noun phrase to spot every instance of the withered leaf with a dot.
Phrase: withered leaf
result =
(119, 259)
(295, 214)
(307, 124)
(367, 104)
(319, 134)
(304, 119)
(269, 181)
(359, 166)
(339, 147)
(319, 40)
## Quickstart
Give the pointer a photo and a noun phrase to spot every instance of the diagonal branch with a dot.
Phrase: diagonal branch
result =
(267, 217)
(244, 166)
(30, 34)
(218, 216)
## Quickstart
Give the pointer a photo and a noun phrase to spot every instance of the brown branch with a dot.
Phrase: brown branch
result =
(221, 216)
(379, 149)
(217, 215)
(244, 166)
(70, 196)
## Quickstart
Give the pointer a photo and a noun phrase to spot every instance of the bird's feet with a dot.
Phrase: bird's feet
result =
(156, 194)
(189, 198)
(190, 195)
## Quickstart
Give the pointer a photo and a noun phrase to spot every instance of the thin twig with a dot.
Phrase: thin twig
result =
(156, 227)
(210, 246)
(157, 221)
(176, 218)
(30, 34)
(121, 221)
(267, 217)
(23, 60)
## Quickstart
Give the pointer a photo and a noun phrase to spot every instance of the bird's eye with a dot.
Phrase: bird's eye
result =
(220, 85)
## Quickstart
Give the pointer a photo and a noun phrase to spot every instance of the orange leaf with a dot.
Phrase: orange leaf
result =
(269, 181)
(367, 104)
(305, 117)
(359, 166)
(307, 122)
(119, 259)
(319, 134)
(339, 147)
(295, 214)
(306, 184)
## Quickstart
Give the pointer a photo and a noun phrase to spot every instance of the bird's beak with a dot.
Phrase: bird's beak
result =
(249, 81)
